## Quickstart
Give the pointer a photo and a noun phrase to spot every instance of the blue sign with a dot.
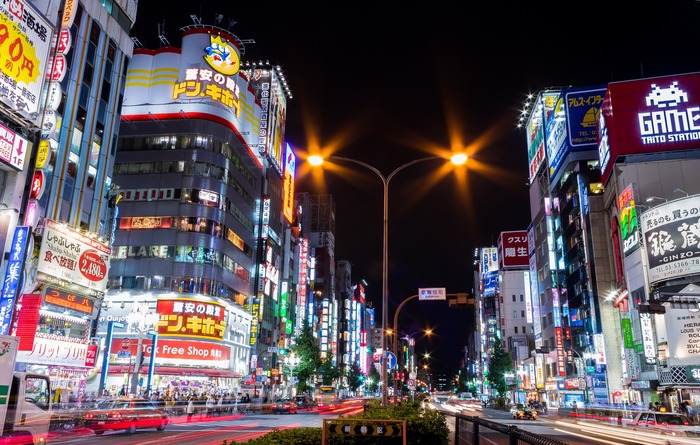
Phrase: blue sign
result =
(13, 277)
(391, 360)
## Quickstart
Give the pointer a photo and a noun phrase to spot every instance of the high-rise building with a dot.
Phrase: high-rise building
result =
(60, 114)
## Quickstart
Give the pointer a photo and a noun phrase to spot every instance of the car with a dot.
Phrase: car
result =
(669, 424)
(522, 411)
(284, 406)
(128, 414)
(303, 402)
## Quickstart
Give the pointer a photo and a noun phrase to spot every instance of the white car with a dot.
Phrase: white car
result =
(671, 424)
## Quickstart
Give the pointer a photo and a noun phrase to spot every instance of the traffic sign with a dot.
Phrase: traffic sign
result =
(364, 427)
(391, 360)
(412, 375)
(411, 382)
(126, 343)
(432, 293)
(124, 354)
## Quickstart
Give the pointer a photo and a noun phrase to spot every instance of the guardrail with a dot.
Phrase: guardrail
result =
(469, 430)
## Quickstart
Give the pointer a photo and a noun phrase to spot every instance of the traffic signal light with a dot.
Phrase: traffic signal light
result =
(282, 351)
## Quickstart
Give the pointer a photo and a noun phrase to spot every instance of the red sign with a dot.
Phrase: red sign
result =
(92, 266)
(91, 356)
(28, 320)
(648, 116)
(169, 349)
(64, 41)
(571, 383)
(69, 300)
(145, 222)
(37, 186)
(513, 250)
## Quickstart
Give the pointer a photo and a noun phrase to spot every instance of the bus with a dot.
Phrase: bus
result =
(325, 396)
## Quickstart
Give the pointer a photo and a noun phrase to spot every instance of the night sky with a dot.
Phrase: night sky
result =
(387, 82)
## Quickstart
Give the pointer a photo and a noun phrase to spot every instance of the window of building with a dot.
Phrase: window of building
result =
(515, 314)
(515, 329)
(522, 298)
(513, 298)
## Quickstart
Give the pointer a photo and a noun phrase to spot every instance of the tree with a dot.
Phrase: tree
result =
(466, 380)
(329, 372)
(499, 364)
(309, 353)
(355, 377)
(373, 379)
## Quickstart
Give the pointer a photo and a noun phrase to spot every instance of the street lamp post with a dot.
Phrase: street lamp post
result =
(581, 374)
(293, 362)
(141, 319)
(315, 160)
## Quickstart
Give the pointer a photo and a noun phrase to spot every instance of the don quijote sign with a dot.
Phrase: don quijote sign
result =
(68, 256)
(176, 352)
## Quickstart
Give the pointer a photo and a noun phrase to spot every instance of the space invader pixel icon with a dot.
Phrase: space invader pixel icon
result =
(663, 97)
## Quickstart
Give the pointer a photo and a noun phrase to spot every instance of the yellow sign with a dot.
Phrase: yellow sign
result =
(42, 154)
(19, 60)
(222, 56)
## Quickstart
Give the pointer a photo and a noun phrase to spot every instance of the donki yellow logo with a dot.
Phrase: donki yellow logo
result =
(222, 56)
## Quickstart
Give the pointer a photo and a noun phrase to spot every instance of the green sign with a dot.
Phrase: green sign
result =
(627, 332)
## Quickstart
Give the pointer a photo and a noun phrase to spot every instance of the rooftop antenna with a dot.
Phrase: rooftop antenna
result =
(218, 18)
(137, 42)
(161, 34)
(196, 20)
(231, 23)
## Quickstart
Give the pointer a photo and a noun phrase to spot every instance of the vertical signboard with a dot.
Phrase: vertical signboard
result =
(628, 220)
(288, 186)
(535, 130)
(13, 276)
(648, 337)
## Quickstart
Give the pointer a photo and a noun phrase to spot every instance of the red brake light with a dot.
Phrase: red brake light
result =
(115, 416)
(89, 416)
(686, 423)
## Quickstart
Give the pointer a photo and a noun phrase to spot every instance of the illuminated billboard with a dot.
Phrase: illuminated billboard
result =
(189, 317)
(541, 113)
(649, 116)
(288, 186)
(269, 92)
(68, 258)
(24, 56)
(573, 127)
(670, 238)
(489, 260)
(513, 250)
(200, 80)
(629, 221)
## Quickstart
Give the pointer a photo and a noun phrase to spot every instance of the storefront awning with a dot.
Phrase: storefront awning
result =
(178, 371)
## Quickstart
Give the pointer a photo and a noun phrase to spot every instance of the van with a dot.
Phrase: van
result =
(303, 402)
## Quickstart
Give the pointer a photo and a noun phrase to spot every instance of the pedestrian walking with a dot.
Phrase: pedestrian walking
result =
(209, 406)
(190, 409)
